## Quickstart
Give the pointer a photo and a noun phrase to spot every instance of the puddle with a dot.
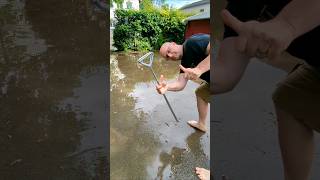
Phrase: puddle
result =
(146, 141)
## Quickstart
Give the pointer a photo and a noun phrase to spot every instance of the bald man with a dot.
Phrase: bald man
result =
(193, 51)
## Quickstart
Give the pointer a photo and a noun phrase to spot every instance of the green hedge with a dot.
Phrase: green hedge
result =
(147, 30)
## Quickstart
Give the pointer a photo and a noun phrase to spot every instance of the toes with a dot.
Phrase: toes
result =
(197, 125)
(192, 122)
(201, 177)
(200, 170)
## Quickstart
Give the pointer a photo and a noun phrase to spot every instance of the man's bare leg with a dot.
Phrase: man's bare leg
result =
(297, 146)
(203, 111)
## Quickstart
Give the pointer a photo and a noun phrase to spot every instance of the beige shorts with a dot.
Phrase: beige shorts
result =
(299, 95)
(203, 91)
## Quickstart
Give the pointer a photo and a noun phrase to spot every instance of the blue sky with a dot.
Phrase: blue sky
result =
(179, 3)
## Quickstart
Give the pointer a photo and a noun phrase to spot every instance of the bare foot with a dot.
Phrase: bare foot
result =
(203, 174)
(197, 125)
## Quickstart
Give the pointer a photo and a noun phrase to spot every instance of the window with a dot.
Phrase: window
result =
(129, 5)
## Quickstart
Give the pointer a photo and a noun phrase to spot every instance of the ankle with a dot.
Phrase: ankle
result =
(202, 123)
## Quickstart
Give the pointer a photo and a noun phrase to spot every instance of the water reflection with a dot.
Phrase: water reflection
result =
(49, 128)
(191, 156)
(146, 142)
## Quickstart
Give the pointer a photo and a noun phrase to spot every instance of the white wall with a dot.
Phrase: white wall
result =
(196, 9)
(135, 5)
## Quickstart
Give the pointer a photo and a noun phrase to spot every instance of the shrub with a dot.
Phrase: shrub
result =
(147, 30)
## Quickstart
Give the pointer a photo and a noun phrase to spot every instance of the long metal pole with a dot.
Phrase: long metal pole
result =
(165, 97)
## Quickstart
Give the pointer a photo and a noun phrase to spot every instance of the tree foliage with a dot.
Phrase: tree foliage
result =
(118, 2)
(147, 30)
(146, 5)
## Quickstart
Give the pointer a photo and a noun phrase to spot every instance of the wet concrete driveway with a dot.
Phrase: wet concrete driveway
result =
(146, 141)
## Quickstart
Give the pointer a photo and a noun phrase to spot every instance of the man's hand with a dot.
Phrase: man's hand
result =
(162, 87)
(261, 39)
(191, 73)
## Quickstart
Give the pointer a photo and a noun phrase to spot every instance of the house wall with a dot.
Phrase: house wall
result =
(196, 9)
(197, 26)
(135, 5)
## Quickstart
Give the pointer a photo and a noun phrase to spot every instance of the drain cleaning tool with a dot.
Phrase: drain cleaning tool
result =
(149, 65)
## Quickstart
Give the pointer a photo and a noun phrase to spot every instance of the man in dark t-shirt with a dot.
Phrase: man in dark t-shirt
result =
(191, 53)
(194, 51)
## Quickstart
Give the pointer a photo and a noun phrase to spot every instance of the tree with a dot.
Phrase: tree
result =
(118, 3)
(146, 5)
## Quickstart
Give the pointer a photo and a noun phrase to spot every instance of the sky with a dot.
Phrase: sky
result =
(179, 3)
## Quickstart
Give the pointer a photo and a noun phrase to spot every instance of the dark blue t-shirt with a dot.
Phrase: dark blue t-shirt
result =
(194, 51)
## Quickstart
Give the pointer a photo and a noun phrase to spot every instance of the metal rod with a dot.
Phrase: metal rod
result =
(165, 97)
(154, 75)
(140, 60)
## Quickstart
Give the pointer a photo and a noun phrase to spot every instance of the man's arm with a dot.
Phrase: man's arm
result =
(202, 67)
(302, 15)
(271, 38)
(177, 85)
(229, 67)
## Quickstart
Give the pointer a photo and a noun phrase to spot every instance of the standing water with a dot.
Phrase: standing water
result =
(146, 142)
(52, 90)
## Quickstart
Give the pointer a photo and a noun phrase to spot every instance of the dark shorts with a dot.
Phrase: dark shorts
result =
(299, 95)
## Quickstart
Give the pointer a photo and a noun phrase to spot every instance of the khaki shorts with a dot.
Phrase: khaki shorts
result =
(203, 91)
(299, 95)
